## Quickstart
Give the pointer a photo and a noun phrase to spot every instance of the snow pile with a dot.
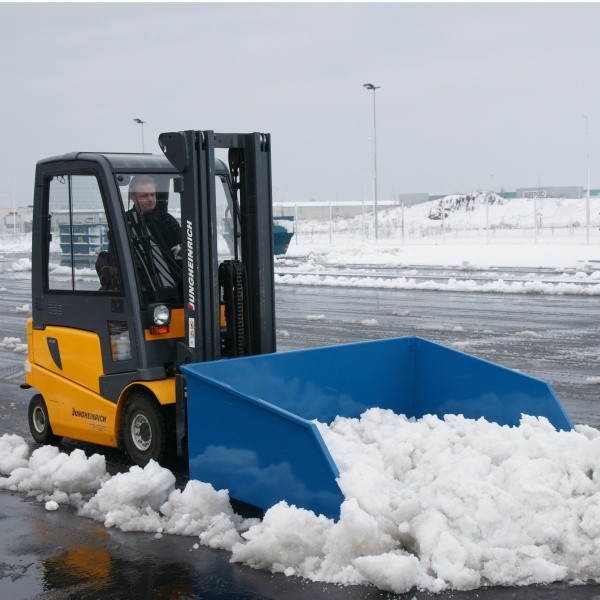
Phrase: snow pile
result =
(464, 213)
(445, 504)
(23, 264)
(475, 502)
(131, 500)
(14, 453)
(11, 243)
(369, 322)
(498, 286)
(429, 503)
(146, 500)
(14, 344)
(51, 475)
(465, 203)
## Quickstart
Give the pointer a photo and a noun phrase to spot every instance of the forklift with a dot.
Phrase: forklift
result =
(105, 359)
(156, 348)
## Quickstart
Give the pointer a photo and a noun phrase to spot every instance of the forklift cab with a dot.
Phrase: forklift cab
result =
(93, 346)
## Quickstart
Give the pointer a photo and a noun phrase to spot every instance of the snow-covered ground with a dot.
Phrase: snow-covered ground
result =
(562, 245)
(434, 504)
(410, 236)
(429, 503)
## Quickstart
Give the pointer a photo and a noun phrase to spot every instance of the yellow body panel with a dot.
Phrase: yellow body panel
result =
(163, 389)
(76, 411)
(75, 407)
(81, 414)
(80, 354)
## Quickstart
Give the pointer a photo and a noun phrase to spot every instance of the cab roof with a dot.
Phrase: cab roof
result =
(120, 162)
(128, 162)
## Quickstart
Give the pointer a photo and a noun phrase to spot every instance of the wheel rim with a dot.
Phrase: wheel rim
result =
(39, 419)
(141, 432)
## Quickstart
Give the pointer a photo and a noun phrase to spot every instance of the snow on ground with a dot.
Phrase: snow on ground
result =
(455, 254)
(10, 243)
(459, 242)
(499, 286)
(429, 503)
(23, 264)
(410, 237)
(14, 344)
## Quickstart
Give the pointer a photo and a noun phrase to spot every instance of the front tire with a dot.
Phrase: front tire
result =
(39, 422)
(144, 434)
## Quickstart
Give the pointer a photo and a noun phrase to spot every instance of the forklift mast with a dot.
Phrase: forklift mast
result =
(242, 288)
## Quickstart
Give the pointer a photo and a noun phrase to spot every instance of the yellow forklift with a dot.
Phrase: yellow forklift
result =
(105, 351)
(146, 270)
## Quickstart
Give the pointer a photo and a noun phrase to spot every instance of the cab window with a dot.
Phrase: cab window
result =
(79, 235)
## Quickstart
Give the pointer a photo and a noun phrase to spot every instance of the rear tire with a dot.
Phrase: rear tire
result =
(39, 422)
(144, 434)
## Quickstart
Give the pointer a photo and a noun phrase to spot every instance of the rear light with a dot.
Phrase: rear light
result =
(158, 329)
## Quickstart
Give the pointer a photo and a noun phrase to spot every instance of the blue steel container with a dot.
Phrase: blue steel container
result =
(249, 419)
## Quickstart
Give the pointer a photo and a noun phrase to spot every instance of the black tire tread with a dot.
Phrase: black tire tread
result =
(140, 401)
(47, 436)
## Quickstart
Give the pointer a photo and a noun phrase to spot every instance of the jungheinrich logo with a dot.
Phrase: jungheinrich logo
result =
(190, 265)
(86, 415)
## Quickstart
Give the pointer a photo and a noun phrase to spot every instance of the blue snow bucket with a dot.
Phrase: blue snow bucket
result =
(250, 426)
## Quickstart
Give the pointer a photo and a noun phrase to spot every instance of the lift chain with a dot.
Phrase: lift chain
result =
(233, 283)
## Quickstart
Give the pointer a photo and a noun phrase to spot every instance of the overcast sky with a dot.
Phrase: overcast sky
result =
(472, 95)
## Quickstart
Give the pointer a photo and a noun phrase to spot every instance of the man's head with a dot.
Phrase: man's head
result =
(142, 192)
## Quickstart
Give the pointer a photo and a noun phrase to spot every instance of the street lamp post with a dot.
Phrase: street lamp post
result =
(370, 86)
(587, 195)
(141, 123)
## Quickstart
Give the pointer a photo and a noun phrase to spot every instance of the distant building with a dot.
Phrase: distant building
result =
(16, 220)
(410, 199)
(551, 192)
(315, 209)
(325, 210)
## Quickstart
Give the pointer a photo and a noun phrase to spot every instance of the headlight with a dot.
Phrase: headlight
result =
(160, 314)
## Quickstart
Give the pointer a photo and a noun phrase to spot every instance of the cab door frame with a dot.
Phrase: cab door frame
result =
(89, 310)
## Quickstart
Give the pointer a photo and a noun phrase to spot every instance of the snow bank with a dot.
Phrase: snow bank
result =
(14, 453)
(14, 344)
(51, 475)
(498, 286)
(10, 243)
(429, 503)
(23, 264)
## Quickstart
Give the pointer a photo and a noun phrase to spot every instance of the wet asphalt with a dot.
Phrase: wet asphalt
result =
(58, 555)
